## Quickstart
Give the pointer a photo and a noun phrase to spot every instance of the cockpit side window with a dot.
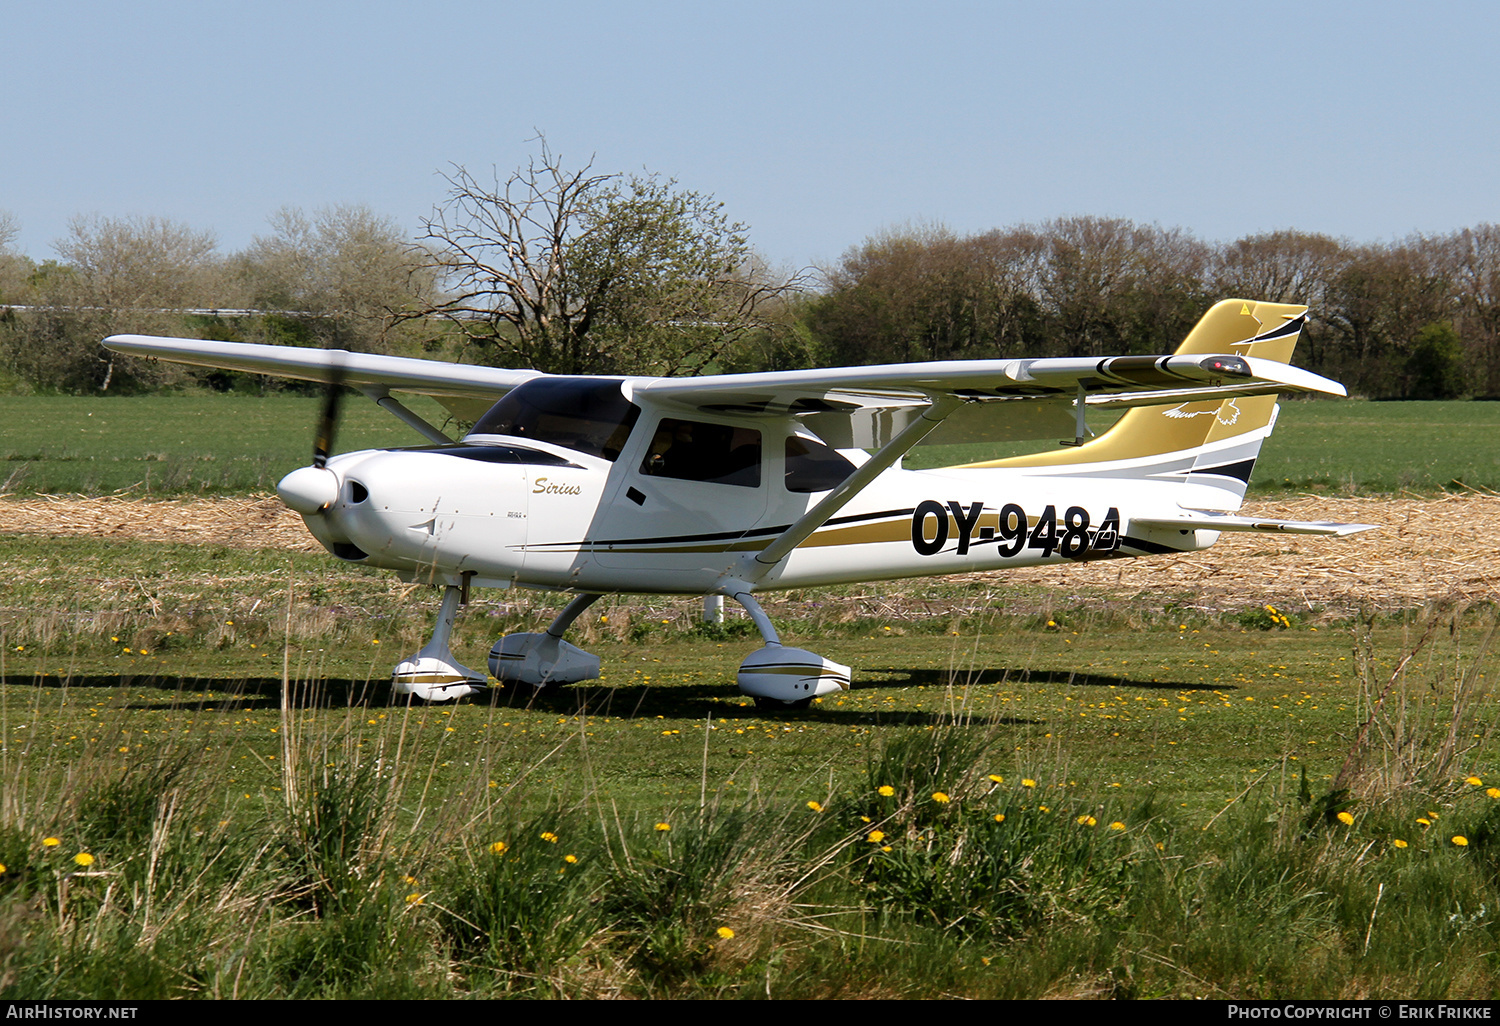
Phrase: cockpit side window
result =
(587, 415)
(693, 451)
(812, 466)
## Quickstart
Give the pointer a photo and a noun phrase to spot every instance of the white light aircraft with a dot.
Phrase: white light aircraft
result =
(734, 484)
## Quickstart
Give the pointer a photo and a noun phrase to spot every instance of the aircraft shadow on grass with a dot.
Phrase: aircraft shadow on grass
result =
(680, 701)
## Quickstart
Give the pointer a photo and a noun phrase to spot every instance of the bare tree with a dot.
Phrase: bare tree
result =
(573, 271)
(141, 263)
(350, 271)
(15, 268)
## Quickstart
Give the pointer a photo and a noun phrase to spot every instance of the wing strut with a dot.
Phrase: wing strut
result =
(390, 404)
(752, 569)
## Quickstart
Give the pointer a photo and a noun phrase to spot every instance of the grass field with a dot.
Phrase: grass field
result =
(171, 445)
(1165, 822)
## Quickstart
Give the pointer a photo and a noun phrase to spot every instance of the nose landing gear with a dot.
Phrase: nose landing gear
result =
(433, 675)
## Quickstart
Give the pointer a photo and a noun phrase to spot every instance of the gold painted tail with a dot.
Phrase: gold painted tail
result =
(1233, 326)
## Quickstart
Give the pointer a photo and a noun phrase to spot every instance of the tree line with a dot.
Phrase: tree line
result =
(1419, 318)
(573, 271)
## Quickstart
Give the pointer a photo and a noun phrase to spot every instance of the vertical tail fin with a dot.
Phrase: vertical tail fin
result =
(1211, 444)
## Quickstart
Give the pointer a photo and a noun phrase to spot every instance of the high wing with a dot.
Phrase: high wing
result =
(1000, 400)
(466, 390)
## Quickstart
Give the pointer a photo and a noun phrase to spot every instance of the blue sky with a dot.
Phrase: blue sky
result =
(816, 124)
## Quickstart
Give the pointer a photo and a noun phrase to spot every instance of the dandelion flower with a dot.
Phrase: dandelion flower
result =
(1474, 782)
(2, 867)
(1087, 820)
(414, 899)
(1493, 792)
(570, 859)
(662, 828)
(549, 837)
(50, 842)
(1346, 819)
(940, 797)
(999, 817)
(1461, 840)
(1117, 825)
(499, 848)
(886, 790)
(84, 859)
(997, 778)
(875, 836)
(1399, 843)
(815, 806)
(1424, 822)
(1028, 782)
(725, 933)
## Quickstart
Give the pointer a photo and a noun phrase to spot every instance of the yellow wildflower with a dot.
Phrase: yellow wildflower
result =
(1399, 843)
(1028, 782)
(999, 817)
(570, 859)
(499, 848)
(662, 828)
(875, 836)
(1493, 792)
(997, 778)
(414, 899)
(1117, 825)
(940, 797)
(1474, 781)
(885, 790)
(1087, 820)
(84, 859)
(1346, 819)
(1461, 841)
(50, 842)
(549, 837)
(815, 806)
(725, 933)
(1424, 822)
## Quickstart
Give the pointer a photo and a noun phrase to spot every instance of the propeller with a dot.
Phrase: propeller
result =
(328, 423)
(310, 490)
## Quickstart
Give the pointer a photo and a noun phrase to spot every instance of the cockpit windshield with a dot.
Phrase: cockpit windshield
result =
(587, 415)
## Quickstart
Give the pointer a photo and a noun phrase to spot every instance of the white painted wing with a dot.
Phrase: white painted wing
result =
(424, 377)
(1007, 399)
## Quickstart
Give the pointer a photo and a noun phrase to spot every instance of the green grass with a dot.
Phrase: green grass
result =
(172, 445)
(177, 444)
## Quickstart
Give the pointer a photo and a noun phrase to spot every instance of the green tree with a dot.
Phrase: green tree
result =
(1435, 368)
(576, 272)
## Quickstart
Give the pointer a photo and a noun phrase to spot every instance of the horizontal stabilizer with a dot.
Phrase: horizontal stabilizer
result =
(1207, 520)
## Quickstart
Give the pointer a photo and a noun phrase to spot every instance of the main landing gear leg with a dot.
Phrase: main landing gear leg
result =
(433, 674)
(545, 659)
(777, 676)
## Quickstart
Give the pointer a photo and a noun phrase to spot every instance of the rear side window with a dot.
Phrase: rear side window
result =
(689, 450)
(812, 466)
